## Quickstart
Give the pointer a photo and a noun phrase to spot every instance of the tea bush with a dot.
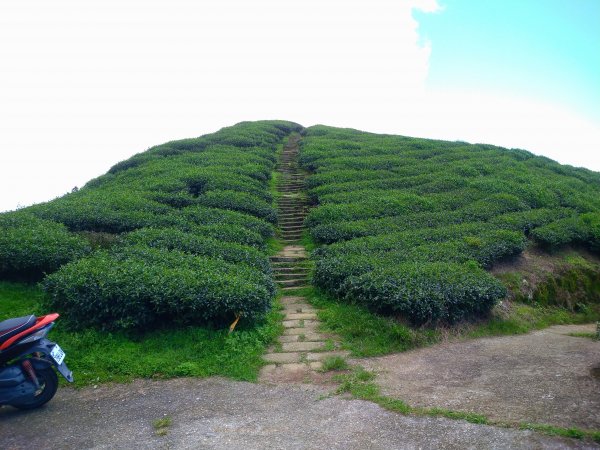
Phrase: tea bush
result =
(408, 226)
(427, 292)
(193, 243)
(31, 247)
(141, 287)
(578, 229)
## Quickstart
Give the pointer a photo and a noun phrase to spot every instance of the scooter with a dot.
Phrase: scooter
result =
(27, 377)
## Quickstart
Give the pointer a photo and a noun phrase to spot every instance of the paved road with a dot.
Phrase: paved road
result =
(542, 377)
(220, 414)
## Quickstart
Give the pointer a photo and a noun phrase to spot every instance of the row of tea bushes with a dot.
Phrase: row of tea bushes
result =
(408, 226)
(189, 222)
(139, 287)
(31, 247)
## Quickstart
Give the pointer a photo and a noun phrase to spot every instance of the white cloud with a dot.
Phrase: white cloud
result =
(86, 84)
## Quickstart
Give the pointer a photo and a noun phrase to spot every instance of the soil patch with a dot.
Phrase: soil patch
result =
(541, 377)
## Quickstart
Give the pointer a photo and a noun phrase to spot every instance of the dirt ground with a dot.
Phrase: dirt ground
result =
(543, 377)
(219, 414)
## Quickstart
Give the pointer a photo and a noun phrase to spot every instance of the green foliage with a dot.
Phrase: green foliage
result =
(179, 233)
(365, 333)
(31, 247)
(409, 224)
(193, 243)
(142, 287)
(579, 229)
(334, 363)
(97, 356)
(239, 201)
(427, 292)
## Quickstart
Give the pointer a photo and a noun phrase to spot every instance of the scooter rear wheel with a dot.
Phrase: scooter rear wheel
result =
(48, 385)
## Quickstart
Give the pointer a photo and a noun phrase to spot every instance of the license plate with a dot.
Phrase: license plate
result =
(57, 354)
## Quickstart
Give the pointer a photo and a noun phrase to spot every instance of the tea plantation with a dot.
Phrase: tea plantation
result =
(176, 234)
(409, 226)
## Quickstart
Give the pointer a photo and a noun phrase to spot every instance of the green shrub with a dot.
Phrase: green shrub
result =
(174, 239)
(427, 292)
(592, 223)
(31, 247)
(526, 221)
(561, 232)
(239, 201)
(103, 210)
(214, 216)
(378, 207)
(189, 217)
(141, 287)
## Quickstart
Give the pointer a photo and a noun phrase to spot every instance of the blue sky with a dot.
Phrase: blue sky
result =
(543, 49)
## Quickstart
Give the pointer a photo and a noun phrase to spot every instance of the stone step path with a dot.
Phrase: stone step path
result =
(298, 355)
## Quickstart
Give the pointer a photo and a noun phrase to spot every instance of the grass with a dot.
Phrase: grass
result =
(585, 335)
(367, 334)
(359, 384)
(332, 363)
(274, 246)
(307, 241)
(161, 426)
(96, 356)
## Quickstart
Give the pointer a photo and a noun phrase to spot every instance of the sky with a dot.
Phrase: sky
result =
(84, 85)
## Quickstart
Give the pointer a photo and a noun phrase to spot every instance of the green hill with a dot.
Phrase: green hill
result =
(408, 227)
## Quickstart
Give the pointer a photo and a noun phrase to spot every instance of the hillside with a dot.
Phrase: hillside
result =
(176, 234)
(180, 234)
(413, 225)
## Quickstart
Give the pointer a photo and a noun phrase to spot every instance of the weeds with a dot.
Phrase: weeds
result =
(161, 426)
(334, 363)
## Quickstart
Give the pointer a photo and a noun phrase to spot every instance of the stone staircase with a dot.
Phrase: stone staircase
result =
(298, 354)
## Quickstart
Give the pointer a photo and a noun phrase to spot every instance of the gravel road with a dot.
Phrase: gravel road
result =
(220, 414)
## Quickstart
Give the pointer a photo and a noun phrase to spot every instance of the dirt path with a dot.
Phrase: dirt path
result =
(219, 414)
(541, 377)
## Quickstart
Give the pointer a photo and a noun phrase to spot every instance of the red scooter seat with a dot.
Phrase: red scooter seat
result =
(12, 327)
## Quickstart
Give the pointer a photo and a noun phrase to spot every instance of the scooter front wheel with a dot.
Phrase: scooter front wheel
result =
(48, 386)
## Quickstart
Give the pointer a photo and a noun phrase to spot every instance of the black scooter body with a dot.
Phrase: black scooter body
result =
(18, 387)
(15, 385)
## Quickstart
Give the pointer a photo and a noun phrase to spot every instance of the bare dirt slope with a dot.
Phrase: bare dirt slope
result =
(219, 414)
(541, 377)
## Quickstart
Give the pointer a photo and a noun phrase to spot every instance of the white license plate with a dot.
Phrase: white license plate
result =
(57, 354)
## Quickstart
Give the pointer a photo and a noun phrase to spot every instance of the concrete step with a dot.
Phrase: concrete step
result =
(301, 316)
(282, 358)
(294, 288)
(282, 270)
(291, 237)
(292, 283)
(287, 259)
(291, 276)
(301, 346)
